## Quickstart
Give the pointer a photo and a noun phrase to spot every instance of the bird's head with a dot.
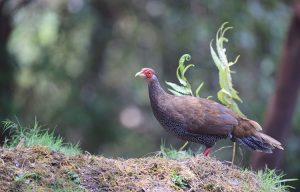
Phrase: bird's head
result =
(146, 73)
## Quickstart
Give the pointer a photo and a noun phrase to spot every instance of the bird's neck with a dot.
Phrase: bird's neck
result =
(156, 92)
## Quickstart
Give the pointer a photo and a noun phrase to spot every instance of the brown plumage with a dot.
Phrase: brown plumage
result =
(203, 121)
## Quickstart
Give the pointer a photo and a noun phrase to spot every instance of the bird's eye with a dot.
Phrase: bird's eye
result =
(148, 74)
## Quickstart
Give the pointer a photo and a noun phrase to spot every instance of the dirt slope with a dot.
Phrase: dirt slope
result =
(39, 169)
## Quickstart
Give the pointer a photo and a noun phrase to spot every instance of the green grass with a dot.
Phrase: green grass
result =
(36, 136)
(271, 181)
(22, 176)
(70, 185)
(171, 153)
(268, 178)
(179, 180)
(60, 185)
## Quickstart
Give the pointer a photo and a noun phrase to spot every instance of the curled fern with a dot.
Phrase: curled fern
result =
(185, 87)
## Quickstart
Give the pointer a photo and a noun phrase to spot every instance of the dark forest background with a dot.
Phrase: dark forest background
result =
(71, 64)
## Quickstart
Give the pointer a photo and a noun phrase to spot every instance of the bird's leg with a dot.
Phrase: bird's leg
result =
(206, 151)
(233, 153)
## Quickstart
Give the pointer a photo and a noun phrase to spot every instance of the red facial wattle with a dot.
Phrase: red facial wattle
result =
(148, 74)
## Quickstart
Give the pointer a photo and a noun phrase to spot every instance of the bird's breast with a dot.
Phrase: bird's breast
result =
(169, 121)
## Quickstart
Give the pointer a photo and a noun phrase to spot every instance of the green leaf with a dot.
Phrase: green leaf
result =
(221, 52)
(198, 89)
(226, 92)
(219, 45)
(181, 81)
(186, 68)
(234, 62)
(223, 80)
(183, 58)
(185, 87)
(221, 98)
(236, 109)
(224, 31)
(175, 92)
(209, 97)
(215, 57)
(178, 88)
(235, 96)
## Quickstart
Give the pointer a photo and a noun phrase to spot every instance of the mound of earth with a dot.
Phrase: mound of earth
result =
(40, 169)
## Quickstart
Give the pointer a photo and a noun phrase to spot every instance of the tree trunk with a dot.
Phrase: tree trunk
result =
(6, 69)
(282, 104)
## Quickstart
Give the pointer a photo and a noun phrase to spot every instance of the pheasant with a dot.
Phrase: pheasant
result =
(203, 121)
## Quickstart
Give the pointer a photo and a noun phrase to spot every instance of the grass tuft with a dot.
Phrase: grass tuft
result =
(36, 136)
(179, 181)
(271, 181)
(171, 153)
(268, 179)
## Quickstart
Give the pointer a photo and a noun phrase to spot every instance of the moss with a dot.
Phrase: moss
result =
(180, 181)
(41, 169)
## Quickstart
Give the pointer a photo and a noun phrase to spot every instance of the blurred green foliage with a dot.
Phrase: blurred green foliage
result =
(74, 62)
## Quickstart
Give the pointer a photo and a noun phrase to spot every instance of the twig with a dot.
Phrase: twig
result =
(181, 148)
(225, 147)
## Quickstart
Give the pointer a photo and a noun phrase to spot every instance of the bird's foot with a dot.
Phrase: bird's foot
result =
(206, 151)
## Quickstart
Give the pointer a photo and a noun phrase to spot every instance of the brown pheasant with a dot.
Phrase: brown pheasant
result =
(203, 121)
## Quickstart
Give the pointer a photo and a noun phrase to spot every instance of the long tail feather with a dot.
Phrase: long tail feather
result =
(260, 142)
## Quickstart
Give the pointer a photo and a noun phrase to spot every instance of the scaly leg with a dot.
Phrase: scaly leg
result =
(206, 151)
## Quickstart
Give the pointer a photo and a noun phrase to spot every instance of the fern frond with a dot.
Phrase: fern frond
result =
(227, 94)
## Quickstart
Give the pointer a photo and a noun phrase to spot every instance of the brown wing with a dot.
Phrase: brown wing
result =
(246, 127)
(203, 116)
